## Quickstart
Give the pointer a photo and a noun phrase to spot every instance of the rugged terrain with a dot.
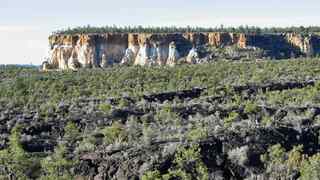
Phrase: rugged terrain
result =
(72, 51)
(222, 120)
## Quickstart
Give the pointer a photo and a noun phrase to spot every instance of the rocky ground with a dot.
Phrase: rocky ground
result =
(253, 126)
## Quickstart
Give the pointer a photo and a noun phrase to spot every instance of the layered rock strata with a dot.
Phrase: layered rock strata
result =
(102, 50)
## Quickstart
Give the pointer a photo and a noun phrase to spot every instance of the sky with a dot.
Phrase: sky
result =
(26, 24)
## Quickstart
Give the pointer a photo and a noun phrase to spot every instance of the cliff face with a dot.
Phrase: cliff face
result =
(95, 50)
(86, 50)
(304, 44)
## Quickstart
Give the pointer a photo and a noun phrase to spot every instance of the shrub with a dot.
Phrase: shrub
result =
(189, 164)
(250, 107)
(279, 163)
(21, 86)
(47, 109)
(166, 114)
(148, 134)
(106, 108)
(295, 158)
(274, 161)
(276, 153)
(310, 168)
(57, 166)
(114, 133)
(123, 103)
(266, 120)
(152, 175)
(197, 133)
(15, 159)
(134, 129)
(85, 146)
(236, 101)
(232, 117)
(71, 131)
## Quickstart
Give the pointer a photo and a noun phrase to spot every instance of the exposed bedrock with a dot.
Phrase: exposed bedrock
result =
(102, 50)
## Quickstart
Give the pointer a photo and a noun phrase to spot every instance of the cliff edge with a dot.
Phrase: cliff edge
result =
(104, 49)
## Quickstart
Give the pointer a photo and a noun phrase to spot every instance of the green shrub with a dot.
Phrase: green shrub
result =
(266, 120)
(188, 165)
(47, 109)
(276, 154)
(21, 86)
(197, 133)
(14, 158)
(86, 146)
(232, 117)
(295, 158)
(274, 162)
(123, 103)
(166, 114)
(114, 133)
(236, 101)
(106, 108)
(71, 131)
(250, 107)
(183, 158)
(57, 166)
(152, 175)
(310, 168)
(148, 134)
(280, 163)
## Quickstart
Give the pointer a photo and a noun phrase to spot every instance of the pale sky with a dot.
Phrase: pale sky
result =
(26, 24)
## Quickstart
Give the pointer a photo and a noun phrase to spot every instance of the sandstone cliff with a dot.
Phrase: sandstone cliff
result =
(102, 50)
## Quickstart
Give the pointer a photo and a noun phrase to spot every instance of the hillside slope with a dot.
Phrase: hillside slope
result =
(223, 120)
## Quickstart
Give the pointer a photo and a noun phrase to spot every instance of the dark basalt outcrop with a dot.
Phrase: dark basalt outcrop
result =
(169, 96)
(132, 160)
(273, 86)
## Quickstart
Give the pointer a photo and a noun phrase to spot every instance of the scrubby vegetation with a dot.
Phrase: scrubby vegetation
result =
(221, 120)
(174, 29)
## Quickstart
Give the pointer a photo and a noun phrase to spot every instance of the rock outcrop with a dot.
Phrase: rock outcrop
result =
(173, 54)
(304, 44)
(99, 50)
(144, 55)
(193, 56)
(104, 62)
